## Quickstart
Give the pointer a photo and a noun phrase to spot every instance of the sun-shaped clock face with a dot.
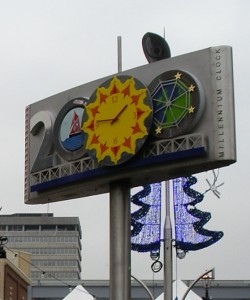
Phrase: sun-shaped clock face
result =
(178, 102)
(117, 120)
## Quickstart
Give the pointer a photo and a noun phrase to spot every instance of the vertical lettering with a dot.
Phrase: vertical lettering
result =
(219, 98)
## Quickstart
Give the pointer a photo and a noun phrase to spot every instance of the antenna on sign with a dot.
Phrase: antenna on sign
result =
(119, 53)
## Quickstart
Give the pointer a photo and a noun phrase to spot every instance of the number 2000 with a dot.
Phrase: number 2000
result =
(45, 130)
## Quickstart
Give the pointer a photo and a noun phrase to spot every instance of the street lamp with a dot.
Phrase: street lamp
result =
(211, 271)
(207, 278)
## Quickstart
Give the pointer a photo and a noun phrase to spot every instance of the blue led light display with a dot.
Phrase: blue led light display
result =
(189, 221)
(146, 221)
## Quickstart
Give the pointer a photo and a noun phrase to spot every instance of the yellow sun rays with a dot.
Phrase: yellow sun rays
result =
(130, 131)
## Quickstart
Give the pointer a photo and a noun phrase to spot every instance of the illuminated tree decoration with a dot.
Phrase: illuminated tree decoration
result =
(146, 221)
(189, 221)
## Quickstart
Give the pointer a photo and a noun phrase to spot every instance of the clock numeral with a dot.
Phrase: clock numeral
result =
(114, 99)
(115, 141)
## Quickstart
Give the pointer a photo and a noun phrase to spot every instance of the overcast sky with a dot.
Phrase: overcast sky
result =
(48, 46)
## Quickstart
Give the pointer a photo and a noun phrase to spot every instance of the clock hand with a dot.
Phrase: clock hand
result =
(104, 120)
(119, 113)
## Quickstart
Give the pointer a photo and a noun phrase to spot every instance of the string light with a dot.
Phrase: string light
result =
(43, 273)
(146, 221)
(189, 221)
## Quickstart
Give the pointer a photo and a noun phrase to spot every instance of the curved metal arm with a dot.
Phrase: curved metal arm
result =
(144, 286)
(195, 281)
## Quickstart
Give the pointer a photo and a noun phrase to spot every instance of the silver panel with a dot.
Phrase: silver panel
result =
(210, 144)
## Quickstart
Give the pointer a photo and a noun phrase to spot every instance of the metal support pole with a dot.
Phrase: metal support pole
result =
(168, 262)
(120, 244)
(119, 53)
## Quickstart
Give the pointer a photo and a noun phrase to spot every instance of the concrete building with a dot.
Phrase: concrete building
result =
(14, 277)
(53, 242)
(13, 282)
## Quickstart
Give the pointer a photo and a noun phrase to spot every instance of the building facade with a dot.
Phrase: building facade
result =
(53, 242)
(13, 282)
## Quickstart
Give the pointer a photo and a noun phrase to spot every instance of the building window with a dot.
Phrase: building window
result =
(66, 228)
(15, 227)
(47, 251)
(54, 275)
(55, 263)
(48, 227)
(43, 239)
(31, 227)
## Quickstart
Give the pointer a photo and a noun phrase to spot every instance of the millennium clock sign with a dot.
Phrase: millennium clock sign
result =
(167, 119)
